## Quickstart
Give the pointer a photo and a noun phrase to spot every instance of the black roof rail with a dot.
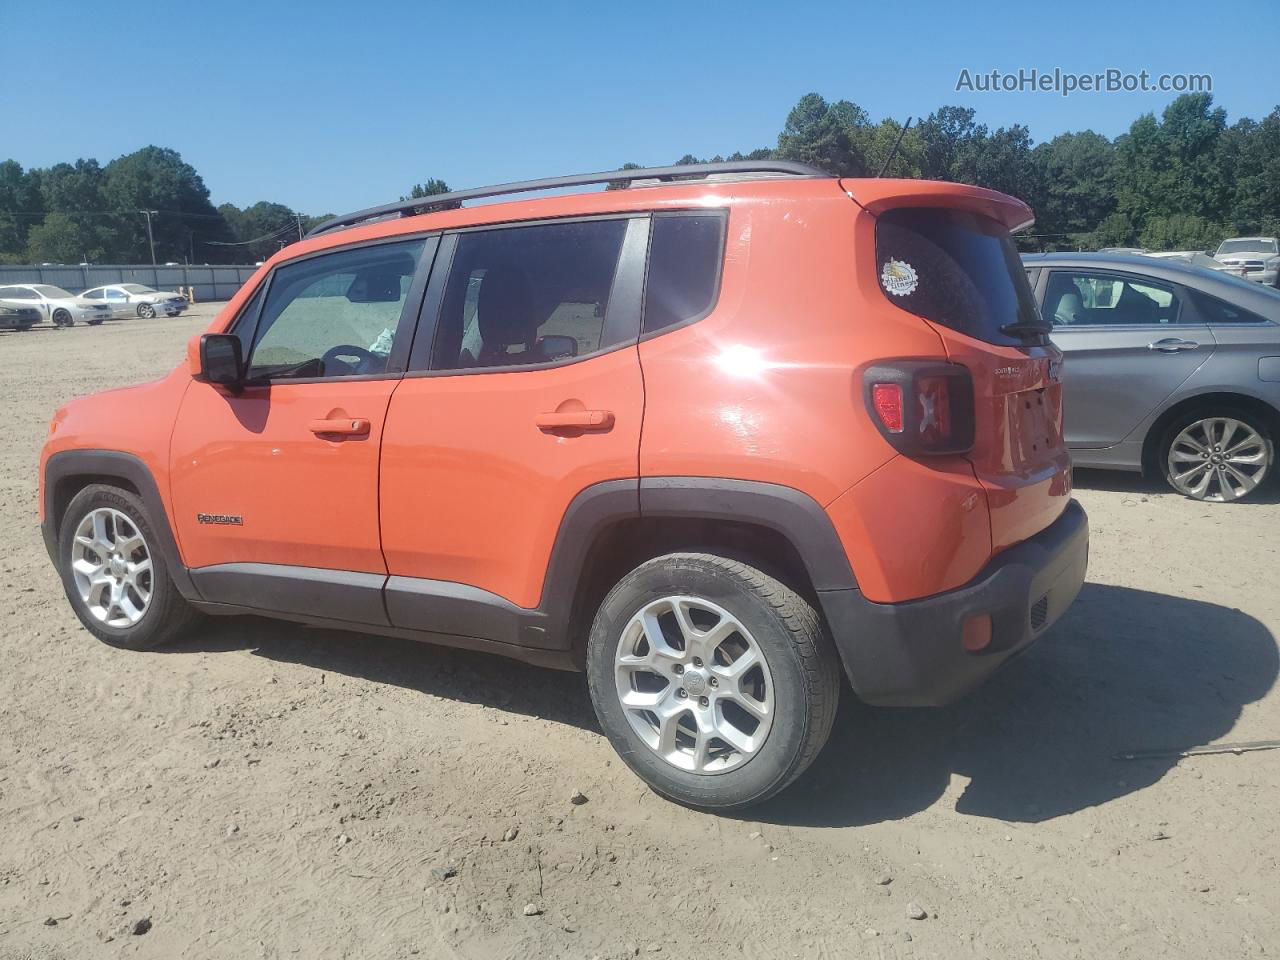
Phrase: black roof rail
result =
(688, 171)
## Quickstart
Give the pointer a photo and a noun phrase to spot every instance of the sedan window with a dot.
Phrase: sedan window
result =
(1101, 299)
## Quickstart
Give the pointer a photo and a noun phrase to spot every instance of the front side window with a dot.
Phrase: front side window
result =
(92, 294)
(528, 295)
(333, 315)
(1100, 299)
(21, 293)
(685, 252)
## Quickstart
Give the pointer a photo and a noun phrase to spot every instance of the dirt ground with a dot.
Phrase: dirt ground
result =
(268, 790)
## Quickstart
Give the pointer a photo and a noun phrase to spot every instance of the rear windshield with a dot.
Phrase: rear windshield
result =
(957, 269)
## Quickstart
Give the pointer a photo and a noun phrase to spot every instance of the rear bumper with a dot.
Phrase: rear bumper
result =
(910, 654)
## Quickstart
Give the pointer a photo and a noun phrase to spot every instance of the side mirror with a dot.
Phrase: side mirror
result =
(375, 286)
(220, 360)
(556, 347)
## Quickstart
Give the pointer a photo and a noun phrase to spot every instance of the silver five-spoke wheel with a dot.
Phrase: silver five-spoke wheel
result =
(111, 566)
(1218, 459)
(694, 685)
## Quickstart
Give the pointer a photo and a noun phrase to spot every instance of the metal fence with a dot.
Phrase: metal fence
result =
(210, 283)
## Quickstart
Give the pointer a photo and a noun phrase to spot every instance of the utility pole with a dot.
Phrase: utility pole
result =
(150, 239)
(298, 218)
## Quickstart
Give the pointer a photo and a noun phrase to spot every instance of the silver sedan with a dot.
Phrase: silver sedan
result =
(1168, 369)
(129, 299)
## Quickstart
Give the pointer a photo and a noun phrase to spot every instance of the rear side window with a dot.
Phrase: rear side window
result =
(528, 295)
(1219, 311)
(954, 268)
(685, 254)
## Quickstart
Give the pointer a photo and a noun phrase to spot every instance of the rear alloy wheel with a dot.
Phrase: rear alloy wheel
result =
(63, 318)
(1217, 458)
(716, 683)
(146, 311)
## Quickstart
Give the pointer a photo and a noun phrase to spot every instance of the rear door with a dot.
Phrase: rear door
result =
(1129, 342)
(524, 389)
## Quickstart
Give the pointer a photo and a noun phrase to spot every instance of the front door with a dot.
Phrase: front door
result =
(281, 479)
(529, 393)
(1128, 343)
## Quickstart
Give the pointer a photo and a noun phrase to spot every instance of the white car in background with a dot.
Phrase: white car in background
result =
(1198, 259)
(134, 299)
(56, 305)
(1258, 256)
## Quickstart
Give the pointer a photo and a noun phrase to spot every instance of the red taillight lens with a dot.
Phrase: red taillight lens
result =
(887, 400)
(934, 395)
(922, 407)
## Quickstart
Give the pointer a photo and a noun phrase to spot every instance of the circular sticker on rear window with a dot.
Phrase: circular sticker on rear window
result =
(899, 278)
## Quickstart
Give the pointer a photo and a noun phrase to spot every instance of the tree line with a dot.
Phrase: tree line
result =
(1183, 180)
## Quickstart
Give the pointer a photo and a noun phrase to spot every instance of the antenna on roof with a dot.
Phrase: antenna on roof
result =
(896, 144)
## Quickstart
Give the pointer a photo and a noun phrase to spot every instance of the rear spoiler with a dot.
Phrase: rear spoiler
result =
(876, 196)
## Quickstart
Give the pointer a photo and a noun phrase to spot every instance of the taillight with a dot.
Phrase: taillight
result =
(887, 400)
(921, 406)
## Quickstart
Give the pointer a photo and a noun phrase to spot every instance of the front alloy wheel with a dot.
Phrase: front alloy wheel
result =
(114, 573)
(1218, 459)
(146, 311)
(111, 564)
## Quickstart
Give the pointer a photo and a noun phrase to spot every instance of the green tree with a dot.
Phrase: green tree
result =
(1077, 185)
(825, 135)
(943, 135)
(1180, 231)
(432, 188)
(156, 178)
(21, 207)
(259, 230)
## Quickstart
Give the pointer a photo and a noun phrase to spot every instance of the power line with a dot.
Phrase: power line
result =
(274, 235)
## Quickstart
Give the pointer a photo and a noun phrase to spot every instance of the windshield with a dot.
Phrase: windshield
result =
(53, 293)
(958, 269)
(137, 288)
(1247, 246)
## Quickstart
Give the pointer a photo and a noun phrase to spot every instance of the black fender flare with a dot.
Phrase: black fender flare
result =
(97, 466)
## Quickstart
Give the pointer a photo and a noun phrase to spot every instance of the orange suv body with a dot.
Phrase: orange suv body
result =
(468, 426)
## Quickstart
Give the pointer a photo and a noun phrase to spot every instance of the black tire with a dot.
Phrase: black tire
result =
(1254, 422)
(63, 318)
(93, 323)
(146, 311)
(166, 617)
(790, 634)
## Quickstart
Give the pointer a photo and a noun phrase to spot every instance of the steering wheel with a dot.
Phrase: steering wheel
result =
(365, 358)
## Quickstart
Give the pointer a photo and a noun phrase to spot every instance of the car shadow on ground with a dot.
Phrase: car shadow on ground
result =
(1123, 481)
(1124, 670)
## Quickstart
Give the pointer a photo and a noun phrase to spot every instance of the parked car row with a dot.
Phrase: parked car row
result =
(22, 306)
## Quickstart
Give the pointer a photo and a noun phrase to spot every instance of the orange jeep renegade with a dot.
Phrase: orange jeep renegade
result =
(714, 439)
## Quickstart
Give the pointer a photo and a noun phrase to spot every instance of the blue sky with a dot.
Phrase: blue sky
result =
(332, 106)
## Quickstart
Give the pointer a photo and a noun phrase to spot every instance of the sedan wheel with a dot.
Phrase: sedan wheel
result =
(146, 311)
(63, 318)
(1218, 459)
